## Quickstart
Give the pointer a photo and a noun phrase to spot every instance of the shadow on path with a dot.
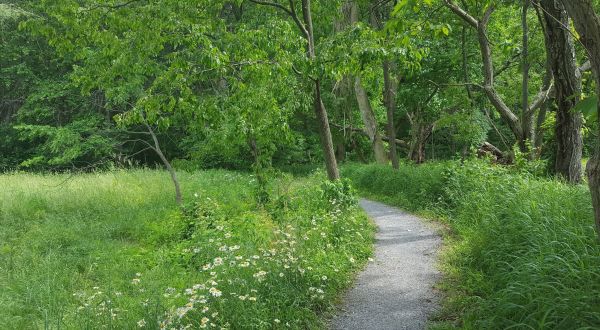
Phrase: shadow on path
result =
(395, 291)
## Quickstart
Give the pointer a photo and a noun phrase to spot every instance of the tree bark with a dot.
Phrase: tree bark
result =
(560, 49)
(350, 12)
(368, 117)
(587, 24)
(514, 122)
(390, 88)
(325, 134)
(306, 29)
(527, 116)
(170, 169)
(420, 132)
(320, 111)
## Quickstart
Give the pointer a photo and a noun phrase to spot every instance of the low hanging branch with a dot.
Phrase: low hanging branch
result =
(480, 25)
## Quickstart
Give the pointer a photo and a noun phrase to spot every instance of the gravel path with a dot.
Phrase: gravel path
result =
(395, 291)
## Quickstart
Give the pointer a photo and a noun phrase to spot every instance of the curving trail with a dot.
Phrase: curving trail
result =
(395, 291)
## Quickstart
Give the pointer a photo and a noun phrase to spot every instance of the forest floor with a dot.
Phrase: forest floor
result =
(395, 291)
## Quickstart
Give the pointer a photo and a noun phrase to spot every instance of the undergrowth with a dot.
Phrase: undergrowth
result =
(111, 250)
(522, 253)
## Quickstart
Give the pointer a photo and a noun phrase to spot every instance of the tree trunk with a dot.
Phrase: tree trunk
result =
(320, 111)
(560, 49)
(527, 116)
(350, 13)
(480, 25)
(325, 134)
(587, 24)
(420, 133)
(390, 89)
(170, 169)
(368, 117)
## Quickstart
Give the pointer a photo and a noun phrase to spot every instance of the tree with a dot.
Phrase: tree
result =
(560, 49)
(520, 127)
(306, 29)
(587, 24)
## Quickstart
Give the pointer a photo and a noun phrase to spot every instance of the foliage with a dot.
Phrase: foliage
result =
(108, 250)
(523, 251)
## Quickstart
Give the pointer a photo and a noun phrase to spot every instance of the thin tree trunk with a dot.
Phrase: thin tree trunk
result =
(170, 169)
(320, 111)
(488, 87)
(560, 49)
(420, 133)
(587, 24)
(306, 29)
(325, 134)
(390, 89)
(368, 117)
(350, 11)
(526, 115)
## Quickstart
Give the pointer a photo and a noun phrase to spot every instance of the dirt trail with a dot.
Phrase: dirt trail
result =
(395, 291)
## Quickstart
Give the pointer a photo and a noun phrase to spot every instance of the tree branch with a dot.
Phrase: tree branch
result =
(462, 13)
(290, 11)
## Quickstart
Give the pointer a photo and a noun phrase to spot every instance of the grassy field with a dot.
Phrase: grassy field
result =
(111, 250)
(521, 252)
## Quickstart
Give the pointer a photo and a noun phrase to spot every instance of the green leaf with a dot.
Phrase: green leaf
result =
(588, 107)
(445, 30)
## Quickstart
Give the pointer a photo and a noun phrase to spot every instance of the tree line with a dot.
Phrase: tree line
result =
(252, 84)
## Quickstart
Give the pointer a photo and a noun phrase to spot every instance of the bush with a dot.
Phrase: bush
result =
(525, 253)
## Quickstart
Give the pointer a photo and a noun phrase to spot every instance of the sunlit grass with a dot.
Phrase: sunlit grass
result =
(112, 250)
(523, 253)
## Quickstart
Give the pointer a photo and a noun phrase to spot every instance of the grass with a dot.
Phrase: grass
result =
(111, 250)
(522, 253)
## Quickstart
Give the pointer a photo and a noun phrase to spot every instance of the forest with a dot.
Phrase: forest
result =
(170, 164)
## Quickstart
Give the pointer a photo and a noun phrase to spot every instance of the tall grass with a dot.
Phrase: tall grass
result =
(524, 253)
(111, 250)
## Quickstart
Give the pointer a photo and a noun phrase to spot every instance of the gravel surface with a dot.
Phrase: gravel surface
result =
(395, 291)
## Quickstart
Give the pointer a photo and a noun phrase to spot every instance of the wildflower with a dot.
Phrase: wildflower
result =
(351, 260)
(214, 314)
(260, 275)
(198, 287)
(252, 298)
(219, 227)
(280, 274)
(233, 248)
(324, 278)
(196, 250)
(141, 323)
(277, 321)
(245, 264)
(243, 297)
(181, 311)
(135, 281)
(215, 292)
(218, 261)
(227, 235)
(205, 309)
